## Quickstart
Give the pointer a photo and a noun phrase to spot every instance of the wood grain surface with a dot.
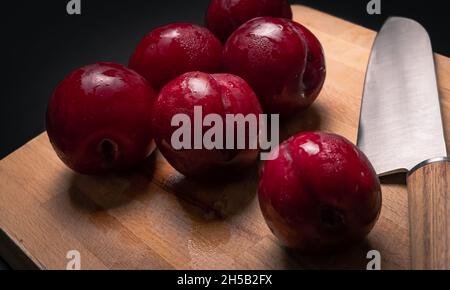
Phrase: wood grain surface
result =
(154, 218)
(429, 209)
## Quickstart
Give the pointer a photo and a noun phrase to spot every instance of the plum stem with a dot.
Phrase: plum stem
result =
(332, 218)
(109, 151)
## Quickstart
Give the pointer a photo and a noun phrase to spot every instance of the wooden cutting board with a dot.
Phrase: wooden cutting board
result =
(154, 218)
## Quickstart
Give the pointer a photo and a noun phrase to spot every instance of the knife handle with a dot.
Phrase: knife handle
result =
(429, 214)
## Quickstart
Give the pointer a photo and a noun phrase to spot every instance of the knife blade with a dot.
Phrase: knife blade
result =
(401, 130)
(401, 123)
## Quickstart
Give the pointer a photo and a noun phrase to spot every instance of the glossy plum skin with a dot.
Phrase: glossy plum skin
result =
(281, 60)
(98, 119)
(174, 49)
(217, 94)
(225, 16)
(320, 194)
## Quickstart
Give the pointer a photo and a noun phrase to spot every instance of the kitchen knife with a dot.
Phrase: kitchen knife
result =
(401, 130)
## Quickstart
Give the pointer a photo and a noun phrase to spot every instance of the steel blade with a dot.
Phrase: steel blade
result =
(401, 124)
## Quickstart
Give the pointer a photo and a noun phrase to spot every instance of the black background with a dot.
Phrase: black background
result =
(40, 43)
